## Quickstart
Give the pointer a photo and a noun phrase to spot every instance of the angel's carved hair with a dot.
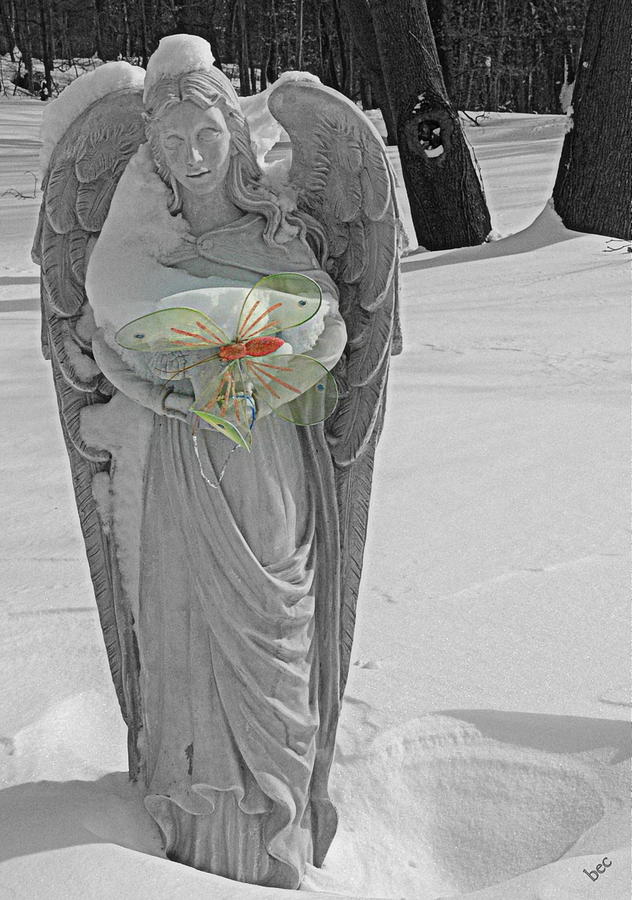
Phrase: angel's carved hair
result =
(244, 178)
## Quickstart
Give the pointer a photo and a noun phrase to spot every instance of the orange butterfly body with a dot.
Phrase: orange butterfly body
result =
(261, 346)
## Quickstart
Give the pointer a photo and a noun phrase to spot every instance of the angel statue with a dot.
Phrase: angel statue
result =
(226, 582)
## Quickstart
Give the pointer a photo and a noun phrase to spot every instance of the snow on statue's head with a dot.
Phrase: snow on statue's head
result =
(182, 69)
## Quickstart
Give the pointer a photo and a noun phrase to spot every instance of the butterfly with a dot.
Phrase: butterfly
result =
(238, 375)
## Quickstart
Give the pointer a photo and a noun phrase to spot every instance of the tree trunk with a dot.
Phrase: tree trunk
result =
(25, 44)
(46, 35)
(365, 91)
(213, 40)
(346, 72)
(144, 34)
(126, 42)
(365, 41)
(243, 56)
(98, 25)
(446, 197)
(215, 45)
(440, 29)
(594, 181)
(107, 46)
(329, 74)
(272, 62)
(299, 36)
(8, 29)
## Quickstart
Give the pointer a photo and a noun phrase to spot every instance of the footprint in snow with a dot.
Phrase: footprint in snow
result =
(8, 745)
(367, 663)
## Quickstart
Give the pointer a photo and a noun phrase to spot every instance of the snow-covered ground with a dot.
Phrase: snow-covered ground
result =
(483, 748)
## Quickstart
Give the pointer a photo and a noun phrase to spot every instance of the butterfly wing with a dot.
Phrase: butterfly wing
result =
(224, 401)
(297, 388)
(315, 405)
(176, 328)
(276, 303)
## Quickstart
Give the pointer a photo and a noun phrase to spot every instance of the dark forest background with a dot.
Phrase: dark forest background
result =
(506, 55)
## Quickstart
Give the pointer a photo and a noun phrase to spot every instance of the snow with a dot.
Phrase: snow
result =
(124, 429)
(566, 90)
(79, 95)
(483, 749)
(263, 126)
(122, 252)
(570, 112)
(176, 54)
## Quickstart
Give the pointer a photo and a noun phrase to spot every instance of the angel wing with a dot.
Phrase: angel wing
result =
(84, 169)
(343, 179)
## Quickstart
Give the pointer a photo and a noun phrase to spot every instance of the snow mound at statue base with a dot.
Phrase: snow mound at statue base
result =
(441, 806)
(449, 804)
(99, 871)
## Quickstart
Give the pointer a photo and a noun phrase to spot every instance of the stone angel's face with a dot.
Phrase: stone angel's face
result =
(196, 146)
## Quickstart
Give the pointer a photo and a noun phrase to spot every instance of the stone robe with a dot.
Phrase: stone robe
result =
(238, 613)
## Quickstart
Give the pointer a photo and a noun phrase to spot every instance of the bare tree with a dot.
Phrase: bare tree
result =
(365, 41)
(240, 23)
(47, 42)
(446, 196)
(24, 40)
(593, 189)
(6, 17)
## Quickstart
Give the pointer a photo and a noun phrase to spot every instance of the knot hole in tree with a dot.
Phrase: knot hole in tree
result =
(429, 133)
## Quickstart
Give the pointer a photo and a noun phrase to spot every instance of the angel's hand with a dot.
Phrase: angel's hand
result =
(177, 406)
(147, 393)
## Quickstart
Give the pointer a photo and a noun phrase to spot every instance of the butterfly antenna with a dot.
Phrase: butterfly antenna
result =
(191, 366)
(250, 312)
(246, 335)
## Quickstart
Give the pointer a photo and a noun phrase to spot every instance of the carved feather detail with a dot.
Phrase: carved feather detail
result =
(84, 170)
(93, 202)
(355, 419)
(60, 196)
(78, 368)
(343, 179)
(376, 182)
(77, 241)
(37, 239)
(344, 195)
(371, 344)
(397, 341)
(355, 261)
(105, 150)
(114, 617)
(353, 490)
(338, 239)
(65, 293)
(44, 335)
(381, 247)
